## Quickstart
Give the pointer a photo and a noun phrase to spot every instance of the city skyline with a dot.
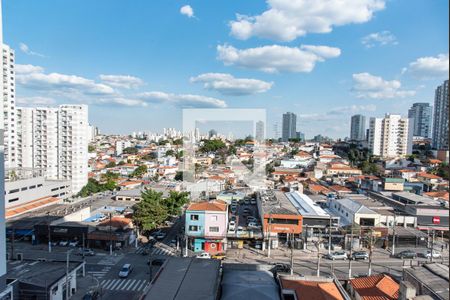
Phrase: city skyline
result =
(368, 65)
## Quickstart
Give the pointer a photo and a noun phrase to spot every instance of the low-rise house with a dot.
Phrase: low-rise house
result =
(380, 287)
(340, 190)
(206, 226)
(393, 184)
(312, 287)
(351, 211)
(431, 182)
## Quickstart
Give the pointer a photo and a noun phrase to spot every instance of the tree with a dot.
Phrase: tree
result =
(121, 163)
(179, 176)
(177, 142)
(111, 164)
(130, 150)
(179, 154)
(170, 152)
(175, 202)
(139, 171)
(442, 170)
(162, 142)
(91, 148)
(212, 146)
(150, 213)
(150, 156)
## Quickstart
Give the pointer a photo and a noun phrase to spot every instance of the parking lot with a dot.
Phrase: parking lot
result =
(244, 219)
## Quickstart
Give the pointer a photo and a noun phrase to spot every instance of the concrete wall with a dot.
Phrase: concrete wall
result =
(216, 219)
(200, 223)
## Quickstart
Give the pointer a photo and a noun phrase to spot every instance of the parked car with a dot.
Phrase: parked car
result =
(160, 236)
(86, 252)
(253, 202)
(156, 262)
(427, 254)
(203, 255)
(92, 295)
(406, 254)
(360, 255)
(233, 218)
(251, 219)
(155, 233)
(233, 208)
(253, 225)
(234, 202)
(240, 230)
(258, 245)
(283, 268)
(125, 271)
(173, 243)
(241, 201)
(337, 255)
(63, 243)
(246, 201)
(73, 243)
(219, 256)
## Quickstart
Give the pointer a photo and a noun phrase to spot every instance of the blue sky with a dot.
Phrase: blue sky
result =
(138, 63)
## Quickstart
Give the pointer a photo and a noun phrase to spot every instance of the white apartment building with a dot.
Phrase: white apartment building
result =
(120, 145)
(73, 145)
(9, 106)
(25, 137)
(55, 140)
(390, 136)
(45, 137)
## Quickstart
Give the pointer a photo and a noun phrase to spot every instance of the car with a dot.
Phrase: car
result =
(233, 218)
(173, 243)
(232, 223)
(156, 262)
(360, 255)
(234, 202)
(73, 243)
(406, 254)
(251, 219)
(246, 201)
(253, 202)
(427, 254)
(160, 236)
(258, 245)
(241, 201)
(283, 268)
(203, 255)
(240, 230)
(125, 271)
(63, 243)
(233, 209)
(337, 255)
(92, 295)
(253, 225)
(219, 256)
(155, 233)
(86, 252)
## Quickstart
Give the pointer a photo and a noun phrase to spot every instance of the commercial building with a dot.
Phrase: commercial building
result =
(358, 128)
(186, 279)
(289, 130)
(9, 105)
(390, 136)
(55, 140)
(421, 115)
(352, 212)
(206, 226)
(440, 119)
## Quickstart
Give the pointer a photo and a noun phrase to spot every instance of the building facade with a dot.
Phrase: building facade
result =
(9, 106)
(421, 115)
(390, 136)
(440, 121)
(358, 128)
(289, 130)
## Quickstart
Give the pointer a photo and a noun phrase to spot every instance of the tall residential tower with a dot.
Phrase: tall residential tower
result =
(440, 120)
(358, 128)
(289, 126)
(421, 113)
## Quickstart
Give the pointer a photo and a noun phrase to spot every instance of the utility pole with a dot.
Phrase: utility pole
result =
(370, 252)
(67, 274)
(432, 245)
(329, 237)
(292, 253)
(350, 258)
(110, 236)
(318, 254)
(393, 234)
(268, 234)
(49, 233)
(12, 243)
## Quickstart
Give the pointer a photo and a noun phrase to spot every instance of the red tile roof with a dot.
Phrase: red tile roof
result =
(308, 290)
(210, 206)
(377, 287)
(22, 208)
(441, 194)
(428, 175)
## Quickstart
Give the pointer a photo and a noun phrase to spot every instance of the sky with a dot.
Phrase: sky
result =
(139, 63)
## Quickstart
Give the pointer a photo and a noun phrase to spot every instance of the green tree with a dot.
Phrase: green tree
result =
(150, 156)
(163, 142)
(212, 146)
(175, 202)
(170, 152)
(91, 148)
(150, 212)
(139, 171)
(179, 176)
(177, 142)
(121, 163)
(111, 164)
(130, 150)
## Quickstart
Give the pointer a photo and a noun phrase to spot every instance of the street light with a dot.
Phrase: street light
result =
(67, 273)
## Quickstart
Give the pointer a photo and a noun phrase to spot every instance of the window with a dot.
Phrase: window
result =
(13, 200)
(32, 187)
(24, 189)
(214, 229)
(213, 218)
(13, 191)
(194, 217)
(193, 228)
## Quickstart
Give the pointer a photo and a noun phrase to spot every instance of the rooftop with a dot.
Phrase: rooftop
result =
(354, 206)
(305, 205)
(312, 288)
(186, 279)
(434, 276)
(209, 206)
(379, 287)
(276, 202)
(416, 199)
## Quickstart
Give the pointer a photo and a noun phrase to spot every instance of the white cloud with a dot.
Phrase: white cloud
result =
(275, 58)
(429, 67)
(123, 101)
(366, 85)
(27, 69)
(187, 11)
(381, 38)
(351, 109)
(122, 81)
(228, 85)
(182, 100)
(37, 100)
(25, 49)
(33, 77)
(285, 20)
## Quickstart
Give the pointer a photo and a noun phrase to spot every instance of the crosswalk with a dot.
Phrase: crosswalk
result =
(157, 251)
(99, 274)
(132, 285)
(110, 260)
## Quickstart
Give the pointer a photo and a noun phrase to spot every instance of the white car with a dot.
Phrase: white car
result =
(204, 255)
(436, 254)
(73, 243)
(125, 271)
(240, 230)
(63, 243)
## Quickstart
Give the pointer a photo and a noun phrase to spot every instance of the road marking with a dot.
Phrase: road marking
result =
(107, 283)
(116, 283)
(141, 285)
(136, 285)
(132, 282)
(127, 283)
